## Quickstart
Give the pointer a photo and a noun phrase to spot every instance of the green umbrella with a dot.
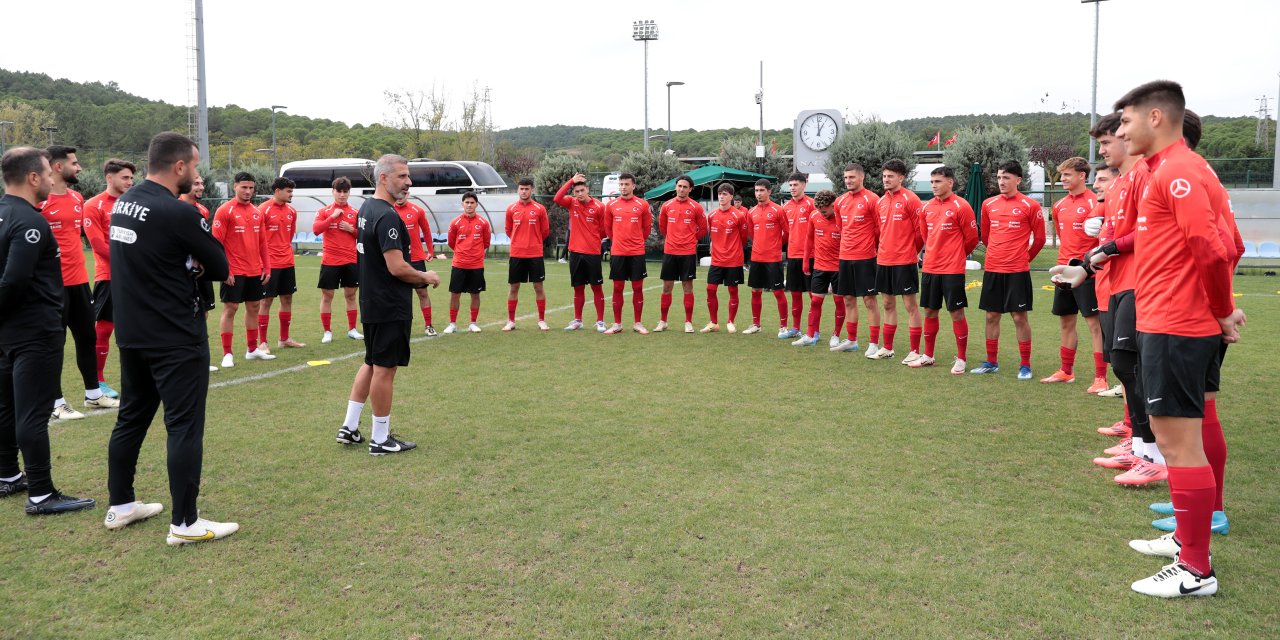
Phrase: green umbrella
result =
(705, 180)
(975, 192)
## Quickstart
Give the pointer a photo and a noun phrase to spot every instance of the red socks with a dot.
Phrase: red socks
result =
(797, 308)
(286, 318)
(889, 330)
(351, 318)
(839, 317)
(1068, 360)
(251, 338)
(874, 332)
(617, 301)
(579, 300)
(930, 331)
(227, 336)
(264, 321)
(688, 307)
(542, 309)
(665, 305)
(103, 329)
(1128, 422)
(475, 313)
(597, 292)
(851, 331)
(961, 329)
(781, 298)
(326, 320)
(637, 299)
(511, 309)
(713, 303)
(993, 351)
(1215, 448)
(815, 314)
(913, 334)
(453, 315)
(757, 303)
(1099, 365)
(733, 303)
(1192, 490)
(426, 316)
(1024, 349)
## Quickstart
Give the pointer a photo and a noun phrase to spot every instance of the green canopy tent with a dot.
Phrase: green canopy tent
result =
(705, 180)
(975, 192)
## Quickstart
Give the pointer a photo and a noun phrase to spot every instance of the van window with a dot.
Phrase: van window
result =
(356, 174)
(310, 177)
(483, 174)
(439, 176)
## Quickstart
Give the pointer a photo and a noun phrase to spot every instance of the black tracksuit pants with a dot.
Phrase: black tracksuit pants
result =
(78, 316)
(178, 377)
(29, 373)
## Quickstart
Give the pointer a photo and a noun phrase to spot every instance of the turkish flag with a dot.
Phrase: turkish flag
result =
(950, 141)
(937, 137)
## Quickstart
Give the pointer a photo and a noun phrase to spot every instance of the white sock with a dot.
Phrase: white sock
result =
(1153, 452)
(59, 402)
(38, 499)
(1138, 447)
(352, 421)
(92, 394)
(184, 529)
(127, 507)
(381, 428)
(13, 479)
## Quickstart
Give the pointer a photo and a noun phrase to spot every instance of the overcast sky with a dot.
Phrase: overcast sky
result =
(575, 62)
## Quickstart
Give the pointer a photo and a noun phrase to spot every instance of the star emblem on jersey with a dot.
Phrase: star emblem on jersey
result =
(204, 224)
(32, 235)
(1180, 188)
(393, 234)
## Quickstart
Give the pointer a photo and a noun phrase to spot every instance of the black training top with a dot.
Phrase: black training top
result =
(30, 274)
(383, 297)
(154, 236)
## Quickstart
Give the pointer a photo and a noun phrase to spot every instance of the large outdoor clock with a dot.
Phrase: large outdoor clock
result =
(814, 132)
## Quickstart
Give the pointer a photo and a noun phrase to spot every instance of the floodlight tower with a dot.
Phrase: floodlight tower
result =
(1093, 109)
(644, 31)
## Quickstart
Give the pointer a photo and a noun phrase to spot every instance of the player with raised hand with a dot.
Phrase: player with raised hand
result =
(339, 267)
(586, 232)
(950, 234)
(97, 228)
(859, 243)
(899, 250)
(1013, 229)
(797, 211)
(822, 251)
(729, 228)
(628, 221)
(683, 223)
(768, 233)
(469, 237)
(528, 227)
(1070, 215)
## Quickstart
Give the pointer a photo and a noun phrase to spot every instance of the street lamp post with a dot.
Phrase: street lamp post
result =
(3, 124)
(275, 168)
(669, 135)
(1093, 109)
(644, 31)
(230, 173)
(50, 131)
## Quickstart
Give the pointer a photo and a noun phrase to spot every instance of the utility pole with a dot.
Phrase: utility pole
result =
(202, 121)
(1093, 109)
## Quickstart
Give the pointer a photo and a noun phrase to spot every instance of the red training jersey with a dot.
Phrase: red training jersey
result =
(729, 230)
(1183, 274)
(586, 221)
(900, 240)
(338, 246)
(628, 222)
(768, 232)
(97, 228)
(419, 228)
(950, 234)
(1069, 214)
(469, 237)
(65, 214)
(798, 211)
(238, 226)
(1121, 224)
(528, 227)
(1013, 230)
(860, 237)
(281, 221)
(683, 223)
(823, 244)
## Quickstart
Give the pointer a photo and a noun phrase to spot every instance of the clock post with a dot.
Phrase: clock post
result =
(814, 132)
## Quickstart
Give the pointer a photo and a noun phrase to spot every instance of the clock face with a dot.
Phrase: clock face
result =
(818, 131)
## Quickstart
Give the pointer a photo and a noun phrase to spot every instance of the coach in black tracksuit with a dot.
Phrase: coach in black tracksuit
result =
(161, 247)
(31, 333)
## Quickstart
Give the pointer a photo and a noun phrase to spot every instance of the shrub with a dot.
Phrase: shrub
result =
(989, 146)
(871, 143)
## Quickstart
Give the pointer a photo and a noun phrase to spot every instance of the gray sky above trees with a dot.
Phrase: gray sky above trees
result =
(575, 63)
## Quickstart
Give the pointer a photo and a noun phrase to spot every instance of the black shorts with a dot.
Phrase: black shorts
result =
(283, 282)
(1121, 328)
(246, 289)
(1213, 381)
(823, 282)
(1175, 372)
(766, 275)
(418, 265)
(333, 276)
(466, 280)
(679, 267)
(936, 287)
(627, 268)
(208, 301)
(898, 279)
(1006, 292)
(585, 269)
(1082, 300)
(796, 279)
(727, 276)
(526, 270)
(386, 344)
(102, 310)
(857, 278)
(1104, 319)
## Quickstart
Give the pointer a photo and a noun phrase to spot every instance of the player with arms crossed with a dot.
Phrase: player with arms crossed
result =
(950, 234)
(281, 221)
(768, 233)
(859, 242)
(729, 228)
(896, 271)
(683, 223)
(528, 227)
(627, 223)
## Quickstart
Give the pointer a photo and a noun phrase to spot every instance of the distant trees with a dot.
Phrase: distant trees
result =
(988, 146)
(871, 143)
